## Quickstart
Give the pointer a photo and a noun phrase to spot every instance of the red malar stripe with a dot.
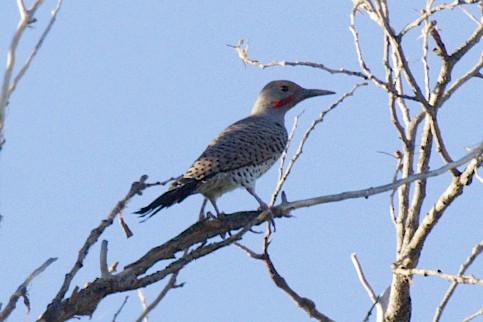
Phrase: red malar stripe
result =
(282, 102)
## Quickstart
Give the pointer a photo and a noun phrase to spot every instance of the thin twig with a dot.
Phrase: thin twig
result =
(314, 123)
(142, 300)
(169, 286)
(283, 157)
(105, 273)
(34, 51)
(399, 166)
(454, 189)
(365, 193)
(125, 228)
(473, 72)
(362, 278)
(26, 18)
(120, 309)
(392, 97)
(305, 304)
(475, 252)
(136, 188)
(243, 55)
(427, 13)
(362, 63)
(428, 25)
(440, 146)
(473, 316)
(472, 18)
(22, 290)
(419, 190)
(460, 279)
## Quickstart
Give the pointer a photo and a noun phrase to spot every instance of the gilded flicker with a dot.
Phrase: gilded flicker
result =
(242, 152)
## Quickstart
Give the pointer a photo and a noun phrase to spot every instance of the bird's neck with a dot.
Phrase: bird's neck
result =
(262, 109)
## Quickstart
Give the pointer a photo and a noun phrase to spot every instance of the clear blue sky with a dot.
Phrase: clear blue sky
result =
(121, 90)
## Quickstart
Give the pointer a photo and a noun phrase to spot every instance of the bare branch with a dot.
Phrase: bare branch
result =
(466, 12)
(399, 166)
(452, 191)
(103, 261)
(26, 18)
(365, 193)
(249, 252)
(378, 82)
(84, 301)
(419, 193)
(136, 188)
(171, 285)
(125, 228)
(299, 151)
(427, 13)
(475, 252)
(35, 49)
(473, 72)
(21, 8)
(468, 44)
(425, 31)
(120, 309)
(362, 278)
(448, 64)
(304, 303)
(460, 279)
(22, 290)
(142, 299)
(441, 147)
(475, 315)
(243, 55)
(282, 161)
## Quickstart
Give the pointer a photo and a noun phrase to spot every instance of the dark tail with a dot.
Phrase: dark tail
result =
(169, 198)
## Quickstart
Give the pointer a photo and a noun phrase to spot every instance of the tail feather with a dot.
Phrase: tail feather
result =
(169, 198)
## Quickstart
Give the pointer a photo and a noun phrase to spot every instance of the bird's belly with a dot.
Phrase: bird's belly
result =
(227, 181)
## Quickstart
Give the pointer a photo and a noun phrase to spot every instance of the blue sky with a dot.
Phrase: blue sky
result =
(118, 91)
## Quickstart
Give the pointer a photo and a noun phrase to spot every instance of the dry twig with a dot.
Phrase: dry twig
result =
(304, 303)
(169, 286)
(8, 86)
(22, 291)
(475, 252)
(299, 151)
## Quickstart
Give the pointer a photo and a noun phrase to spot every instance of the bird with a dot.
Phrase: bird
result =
(241, 153)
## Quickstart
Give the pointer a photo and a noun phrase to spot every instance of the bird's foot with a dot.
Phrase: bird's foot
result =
(264, 207)
(209, 215)
(221, 215)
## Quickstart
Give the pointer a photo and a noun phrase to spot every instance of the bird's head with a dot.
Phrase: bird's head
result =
(277, 97)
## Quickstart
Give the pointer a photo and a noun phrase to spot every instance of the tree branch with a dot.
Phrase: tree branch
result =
(452, 192)
(365, 193)
(243, 55)
(26, 18)
(305, 304)
(474, 315)
(136, 188)
(85, 301)
(22, 290)
(475, 252)
(427, 13)
(460, 279)
(170, 285)
(299, 151)
(34, 51)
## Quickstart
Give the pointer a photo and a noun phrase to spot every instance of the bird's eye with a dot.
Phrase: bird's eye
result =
(284, 88)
